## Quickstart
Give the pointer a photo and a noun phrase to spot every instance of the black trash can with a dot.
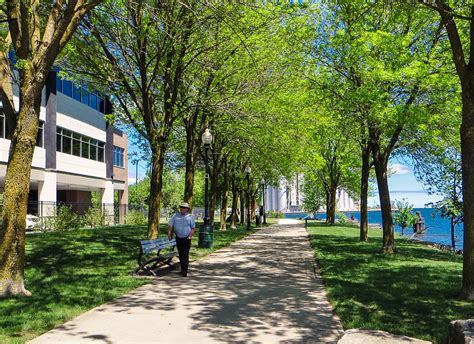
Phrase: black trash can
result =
(206, 236)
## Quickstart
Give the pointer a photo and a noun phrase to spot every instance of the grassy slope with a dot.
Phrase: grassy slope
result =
(413, 292)
(72, 272)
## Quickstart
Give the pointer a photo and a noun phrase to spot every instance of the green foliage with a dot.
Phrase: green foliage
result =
(65, 219)
(412, 293)
(22, 64)
(135, 217)
(173, 187)
(437, 161)
(403, 217)
(314, 196)
(449, 208)
(275, 214)
(341, 218)
(93, 217)
(139, 193)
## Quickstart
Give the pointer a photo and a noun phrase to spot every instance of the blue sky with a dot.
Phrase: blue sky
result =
(402, 184)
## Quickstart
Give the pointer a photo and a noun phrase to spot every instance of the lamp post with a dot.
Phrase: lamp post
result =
(262, 183)
(247, 171)
(206, 232)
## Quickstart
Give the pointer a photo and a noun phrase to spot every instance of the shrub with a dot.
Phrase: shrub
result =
(136, 217)
(403, 217)
(341, 218)
(65, 219)
(275, 214)
(94, 217)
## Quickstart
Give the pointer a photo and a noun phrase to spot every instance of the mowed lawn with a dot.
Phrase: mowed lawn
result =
(71, 272)
(413, 292)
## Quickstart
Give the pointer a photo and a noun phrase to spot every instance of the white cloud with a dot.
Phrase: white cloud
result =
(399, 169)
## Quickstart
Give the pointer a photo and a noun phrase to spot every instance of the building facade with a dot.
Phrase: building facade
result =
(78, 153)
(289, 197)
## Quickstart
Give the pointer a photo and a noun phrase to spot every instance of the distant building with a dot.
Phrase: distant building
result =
(289, 197)
(77, 152)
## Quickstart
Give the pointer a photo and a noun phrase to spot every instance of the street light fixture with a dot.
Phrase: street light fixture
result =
(206, 232)
(262, 183)
(247, 171)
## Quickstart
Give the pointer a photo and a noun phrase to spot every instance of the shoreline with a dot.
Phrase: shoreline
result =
(442, 247)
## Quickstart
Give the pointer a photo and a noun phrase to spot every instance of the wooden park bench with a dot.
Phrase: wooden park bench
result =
(147, 264)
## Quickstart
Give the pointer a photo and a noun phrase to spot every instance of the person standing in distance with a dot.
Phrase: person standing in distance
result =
(183, 225)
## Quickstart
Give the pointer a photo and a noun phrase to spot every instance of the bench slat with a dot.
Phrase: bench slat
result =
(155, 245)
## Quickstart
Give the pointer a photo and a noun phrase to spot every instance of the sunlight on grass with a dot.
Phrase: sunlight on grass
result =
(413, 292)
(71, 272)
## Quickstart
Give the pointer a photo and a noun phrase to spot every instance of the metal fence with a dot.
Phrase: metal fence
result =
(111, 214)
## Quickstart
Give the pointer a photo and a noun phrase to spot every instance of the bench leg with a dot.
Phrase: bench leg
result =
(139, 269)
(168, 262)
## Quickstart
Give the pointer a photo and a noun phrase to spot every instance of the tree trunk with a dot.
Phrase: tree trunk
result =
(235, 196)
(253, 207)
(364, 190)
(380, 163)
(327, 205)
(225, 186)
(466, 76)
(453, 241)
(332, 205)
(156, 186)
(190, 163)
(242, 207)
(467, 152)
(17, 187)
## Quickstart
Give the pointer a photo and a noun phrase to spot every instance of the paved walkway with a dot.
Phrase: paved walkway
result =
(262, 289)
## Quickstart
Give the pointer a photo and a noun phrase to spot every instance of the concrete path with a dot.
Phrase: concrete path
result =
(262, 289)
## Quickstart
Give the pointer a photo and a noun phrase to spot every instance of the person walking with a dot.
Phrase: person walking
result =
(183, 225)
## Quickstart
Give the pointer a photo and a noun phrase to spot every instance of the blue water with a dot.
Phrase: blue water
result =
(438, 229)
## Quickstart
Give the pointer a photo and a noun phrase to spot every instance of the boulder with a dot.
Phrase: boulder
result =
(357, 336)
(461, 332)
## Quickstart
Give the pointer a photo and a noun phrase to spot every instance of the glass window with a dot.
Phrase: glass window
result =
(59, 141)
(93, 101)
(100, 152)
(118, 156)
(67, 88)
(93, 150)
(79, 145)
(76, 147)
(67, 144)
(85, 147)
(8, 134)
(102, 106)
(76, 93)
(2, 125)
(59, 84)
(84, 95)
(39, 136)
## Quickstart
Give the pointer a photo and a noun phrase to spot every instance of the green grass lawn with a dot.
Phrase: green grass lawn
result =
(413, 292)
(71, 272)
